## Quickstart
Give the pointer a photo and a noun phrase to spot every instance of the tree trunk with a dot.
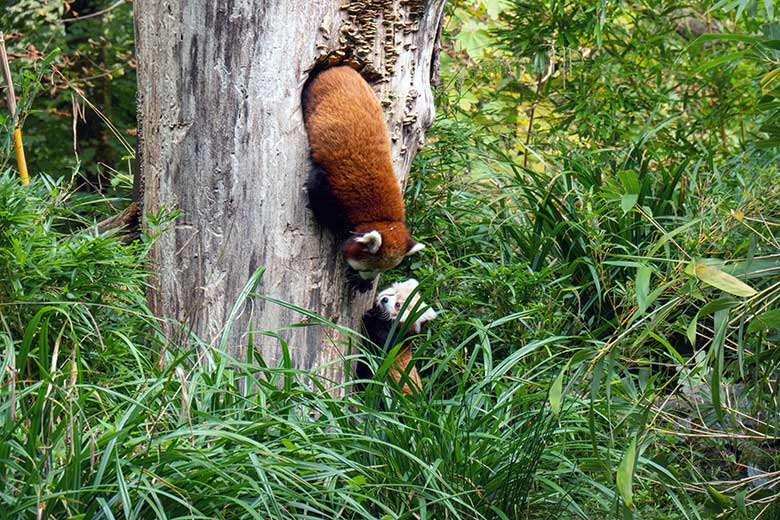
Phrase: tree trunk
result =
(221, 138)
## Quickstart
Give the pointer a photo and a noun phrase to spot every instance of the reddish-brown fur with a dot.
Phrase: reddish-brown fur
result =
(349, 141)
(401, 371)
(378, 323)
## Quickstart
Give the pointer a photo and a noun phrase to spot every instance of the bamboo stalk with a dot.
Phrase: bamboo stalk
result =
(17, 135)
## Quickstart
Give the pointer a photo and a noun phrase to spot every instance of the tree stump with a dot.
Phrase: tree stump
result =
(221, 138)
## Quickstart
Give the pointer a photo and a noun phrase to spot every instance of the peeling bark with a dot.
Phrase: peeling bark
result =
(221, 138)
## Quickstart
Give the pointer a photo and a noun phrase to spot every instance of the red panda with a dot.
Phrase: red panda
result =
(353, 187)
(378, 323)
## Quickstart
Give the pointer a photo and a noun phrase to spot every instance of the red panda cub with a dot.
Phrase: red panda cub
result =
(353, 187)
(378, 323)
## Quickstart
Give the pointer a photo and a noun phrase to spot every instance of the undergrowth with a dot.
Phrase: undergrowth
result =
(96, 425)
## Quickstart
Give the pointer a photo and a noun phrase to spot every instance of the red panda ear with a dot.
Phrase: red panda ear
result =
(416, 246)
(371, 240)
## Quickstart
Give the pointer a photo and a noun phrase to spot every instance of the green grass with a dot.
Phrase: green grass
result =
(96, 425)
(564, 250)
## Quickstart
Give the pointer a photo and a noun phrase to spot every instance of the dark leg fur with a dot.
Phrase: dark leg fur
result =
(358, 283)
(377, 327)
(328, 213)
(323, 204)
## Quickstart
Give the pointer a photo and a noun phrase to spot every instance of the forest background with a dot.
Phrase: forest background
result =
(600, 199)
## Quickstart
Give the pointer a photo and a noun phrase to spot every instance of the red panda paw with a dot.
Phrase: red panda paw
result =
(358, 282)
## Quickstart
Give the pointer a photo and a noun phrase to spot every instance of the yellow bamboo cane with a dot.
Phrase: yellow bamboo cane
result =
(17, 135)
(20, 160)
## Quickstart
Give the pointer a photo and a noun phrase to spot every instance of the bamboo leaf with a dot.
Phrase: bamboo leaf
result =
(556, 392)
(771, 44)
(691, 330)
(625, 475)
(721, 320)
(739, 498)
(746, 38)
(718, 304)
(643, 287)
(723, 281)
(768, 81)
(628, 201)
(720, 60)
(721, 501)
(765, 320)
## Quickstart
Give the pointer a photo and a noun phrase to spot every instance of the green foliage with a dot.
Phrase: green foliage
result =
(598, 172)
(89, 86)
(768, 52)
(233, 439)
(66, 288)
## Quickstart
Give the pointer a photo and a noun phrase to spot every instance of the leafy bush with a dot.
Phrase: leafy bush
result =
(63, 282)
(231, 439)
(607, 192)
(88, 85)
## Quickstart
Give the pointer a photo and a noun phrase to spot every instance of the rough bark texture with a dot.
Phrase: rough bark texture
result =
(221, 138)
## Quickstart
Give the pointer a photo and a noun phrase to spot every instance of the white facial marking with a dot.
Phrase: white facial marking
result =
(415, 248)
(357, 265)
(392, 299)
(372, 240)
(410, 284)
(386, 300)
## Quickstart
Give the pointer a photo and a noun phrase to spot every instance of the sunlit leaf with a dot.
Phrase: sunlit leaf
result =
(494, 7)
(473, 38)
(625, 475)
(770, 80)
(556, 391)
(357, 481)
(723, 281)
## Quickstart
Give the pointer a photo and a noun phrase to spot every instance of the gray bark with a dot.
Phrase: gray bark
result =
(221, 138)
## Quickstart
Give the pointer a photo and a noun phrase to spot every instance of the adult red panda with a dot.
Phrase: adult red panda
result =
(353, 187)
(378, 324)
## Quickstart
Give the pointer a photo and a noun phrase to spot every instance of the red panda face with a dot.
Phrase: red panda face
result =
(378, 247)
(392, 299)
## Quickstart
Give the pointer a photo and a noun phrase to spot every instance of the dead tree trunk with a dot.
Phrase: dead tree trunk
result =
(221, 138)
